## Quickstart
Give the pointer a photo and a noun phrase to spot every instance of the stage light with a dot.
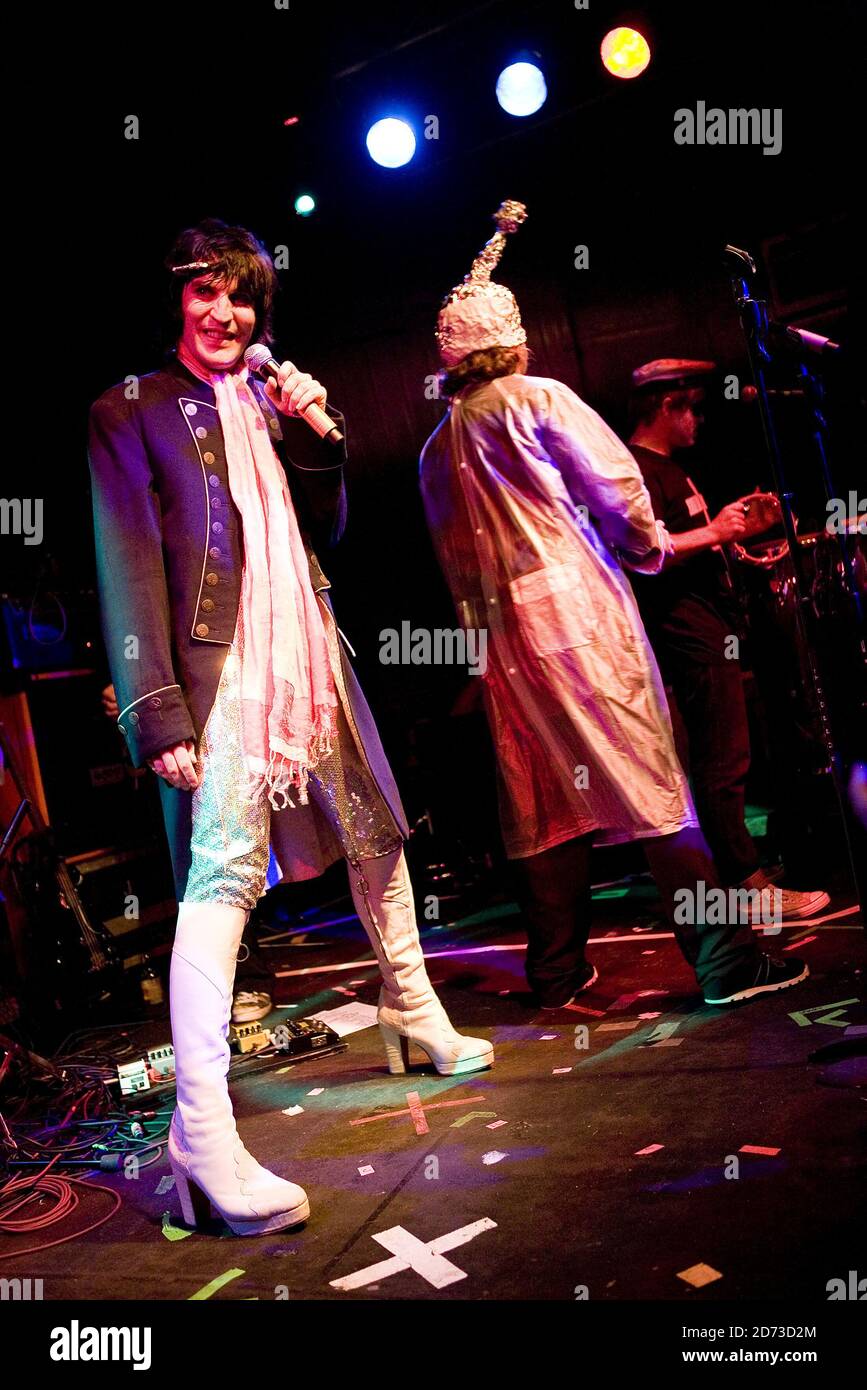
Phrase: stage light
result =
(521, 89)
(391, 142)
(305, 204)
(625, 52)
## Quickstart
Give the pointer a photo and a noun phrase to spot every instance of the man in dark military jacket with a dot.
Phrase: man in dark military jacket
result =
(207, 616)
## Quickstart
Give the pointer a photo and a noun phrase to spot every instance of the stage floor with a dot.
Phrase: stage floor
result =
(528, 1181)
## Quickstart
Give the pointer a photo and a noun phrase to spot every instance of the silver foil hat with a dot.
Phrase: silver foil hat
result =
(480, 313)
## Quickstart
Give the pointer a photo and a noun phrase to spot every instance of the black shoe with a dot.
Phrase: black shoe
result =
(587, 976)
(765, 976)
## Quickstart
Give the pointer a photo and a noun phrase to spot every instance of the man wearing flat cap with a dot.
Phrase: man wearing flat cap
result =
(688, 614)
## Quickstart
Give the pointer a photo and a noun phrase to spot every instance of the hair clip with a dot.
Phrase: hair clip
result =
(194, 265)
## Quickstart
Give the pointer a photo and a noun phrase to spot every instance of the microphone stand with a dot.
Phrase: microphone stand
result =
(758, 330)
(814, 392)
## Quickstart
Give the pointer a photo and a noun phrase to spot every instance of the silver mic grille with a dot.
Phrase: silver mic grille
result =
(256, 356)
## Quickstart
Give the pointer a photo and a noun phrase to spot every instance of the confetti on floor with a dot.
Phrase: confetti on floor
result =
(757, 1149)
(496, 1124)
(172, 1232)
(548, 1037)
(651, 1149)
(166, 1183)
(317, 1091)
(623, 1027)
(493, 1157)
(294, 1110)
(699, 1275)
(368, 1168)
(559, 1071)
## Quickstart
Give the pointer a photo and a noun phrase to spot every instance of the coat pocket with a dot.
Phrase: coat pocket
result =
(553, 609)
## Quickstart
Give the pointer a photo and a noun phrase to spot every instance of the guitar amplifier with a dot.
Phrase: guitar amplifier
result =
(127, 890)
(93, 796)
(104, 815)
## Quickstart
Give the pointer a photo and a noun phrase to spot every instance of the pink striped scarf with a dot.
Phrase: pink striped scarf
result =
(288, 697)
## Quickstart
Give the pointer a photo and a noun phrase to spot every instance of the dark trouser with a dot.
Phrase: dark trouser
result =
(554, 895)
(553, 890)
(716, 953)
(711, 702)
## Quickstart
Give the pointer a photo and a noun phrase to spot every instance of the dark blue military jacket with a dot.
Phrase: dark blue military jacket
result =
(169, 551)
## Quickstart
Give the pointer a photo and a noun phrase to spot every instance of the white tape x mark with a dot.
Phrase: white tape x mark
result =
(408, 1252)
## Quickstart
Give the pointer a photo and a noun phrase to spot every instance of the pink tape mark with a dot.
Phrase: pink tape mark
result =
(437, 1105)
(417, 1112)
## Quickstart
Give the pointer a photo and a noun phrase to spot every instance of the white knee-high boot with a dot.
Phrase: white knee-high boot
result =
(209, 1162)
(409, 1010)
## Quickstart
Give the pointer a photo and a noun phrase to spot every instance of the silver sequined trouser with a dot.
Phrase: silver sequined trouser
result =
(231, 839)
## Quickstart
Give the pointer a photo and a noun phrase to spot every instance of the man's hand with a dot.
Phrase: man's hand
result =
(293, 391)
(730, 524)
(176, 765)
(747, 517)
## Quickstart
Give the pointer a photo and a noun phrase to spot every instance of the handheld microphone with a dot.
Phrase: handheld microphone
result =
(259, 360)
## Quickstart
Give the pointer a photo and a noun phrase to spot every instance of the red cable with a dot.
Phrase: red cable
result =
(18, 1191)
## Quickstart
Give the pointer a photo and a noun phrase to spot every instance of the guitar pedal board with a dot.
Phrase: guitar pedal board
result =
(254, 1049)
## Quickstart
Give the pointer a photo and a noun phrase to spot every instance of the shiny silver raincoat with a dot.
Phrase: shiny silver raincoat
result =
(533, 503)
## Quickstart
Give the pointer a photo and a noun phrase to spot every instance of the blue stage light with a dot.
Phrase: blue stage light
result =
(521, 89)
(305, 204)
(391, 142)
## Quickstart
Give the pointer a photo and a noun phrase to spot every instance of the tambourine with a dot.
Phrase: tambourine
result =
(763, 511)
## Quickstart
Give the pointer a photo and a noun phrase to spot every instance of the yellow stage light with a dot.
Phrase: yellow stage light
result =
(625, 52)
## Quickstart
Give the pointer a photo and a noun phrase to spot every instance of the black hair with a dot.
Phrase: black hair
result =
(236, 255)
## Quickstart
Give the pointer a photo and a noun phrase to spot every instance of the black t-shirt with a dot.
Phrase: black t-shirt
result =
(687, 609)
